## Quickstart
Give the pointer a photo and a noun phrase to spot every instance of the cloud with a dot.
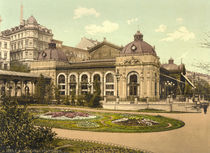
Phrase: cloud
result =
(106, 27)
(180, 34)
(161, 28)
(132, 20)
(82, 11)
(179, 20)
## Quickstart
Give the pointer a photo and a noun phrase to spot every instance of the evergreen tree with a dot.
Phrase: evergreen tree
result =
(49, 93)
(95, 100)
(57, 95)
(18, 133)
(41, 89)
(66, 100)
(73, 94)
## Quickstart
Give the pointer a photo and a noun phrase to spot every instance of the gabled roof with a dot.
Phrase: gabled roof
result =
(104, 43)
(86, 43)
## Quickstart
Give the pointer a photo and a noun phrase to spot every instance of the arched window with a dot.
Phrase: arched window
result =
(133, 85)
(84, 84)
(96, 77)
(72, 84)
(96, 82)
(109, 84)
(61, 84)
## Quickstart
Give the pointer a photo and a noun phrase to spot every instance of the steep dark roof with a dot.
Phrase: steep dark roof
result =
(52, 53)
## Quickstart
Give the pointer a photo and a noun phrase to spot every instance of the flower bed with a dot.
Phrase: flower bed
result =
(67, 115)
(135, 122)
(105, 122)
(87, 124)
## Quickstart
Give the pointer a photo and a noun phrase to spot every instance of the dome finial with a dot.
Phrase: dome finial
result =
(138, 36)
(171, 61)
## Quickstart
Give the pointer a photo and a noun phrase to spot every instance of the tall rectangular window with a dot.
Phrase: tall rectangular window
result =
(5, 55)
(5, 66)
(5, 45)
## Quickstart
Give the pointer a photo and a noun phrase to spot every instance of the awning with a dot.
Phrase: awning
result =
(190, 83)
(172, 78)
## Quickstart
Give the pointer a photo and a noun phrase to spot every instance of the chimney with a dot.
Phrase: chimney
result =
(21, 14)
(0, 24)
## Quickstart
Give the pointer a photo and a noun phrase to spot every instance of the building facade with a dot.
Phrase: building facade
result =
(27, 40)
(129, 73)
(4, 52)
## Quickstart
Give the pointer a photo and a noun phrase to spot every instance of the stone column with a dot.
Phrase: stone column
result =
(102, 85)
(158, 88)
(78, 85)
(66, 85)
(148, 87)
(141, 87)
(122, 87)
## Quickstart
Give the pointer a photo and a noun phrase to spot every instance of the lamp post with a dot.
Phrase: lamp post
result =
(169, 92)
(117, 78)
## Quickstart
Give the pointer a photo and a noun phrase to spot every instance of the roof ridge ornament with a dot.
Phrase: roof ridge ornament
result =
(138, 36)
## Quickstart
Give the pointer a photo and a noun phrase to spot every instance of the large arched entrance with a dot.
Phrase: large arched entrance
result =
(133, 84)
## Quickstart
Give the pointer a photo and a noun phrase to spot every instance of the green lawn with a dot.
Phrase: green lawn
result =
(103, 122)
(73, 146)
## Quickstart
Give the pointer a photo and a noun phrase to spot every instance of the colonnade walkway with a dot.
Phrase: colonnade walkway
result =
(194, 137)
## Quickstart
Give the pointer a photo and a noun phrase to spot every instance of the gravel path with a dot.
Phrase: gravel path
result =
(194, 137)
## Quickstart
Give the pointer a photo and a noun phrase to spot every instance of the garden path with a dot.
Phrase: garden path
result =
(194, 137)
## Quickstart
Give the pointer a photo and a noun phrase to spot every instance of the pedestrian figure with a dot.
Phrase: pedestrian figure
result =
(205, 106)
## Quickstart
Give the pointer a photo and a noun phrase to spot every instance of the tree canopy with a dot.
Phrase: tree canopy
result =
(18, 132)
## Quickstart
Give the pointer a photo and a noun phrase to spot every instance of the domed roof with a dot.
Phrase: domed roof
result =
(173, 67)
(52, 54)
(31, 20)
(138, 46)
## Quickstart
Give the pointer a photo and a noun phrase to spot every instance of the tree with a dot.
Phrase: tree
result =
(205, 66)
(95, 99)
(206, 40)
(73, 94)
(18, 133)
(57, 95)
(66, 100)
(41, 89)
(188, 90)
(19, 67)
(49, 93)
(202, 88)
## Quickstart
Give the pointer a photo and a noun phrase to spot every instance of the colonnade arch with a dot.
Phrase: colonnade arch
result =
(18, 83)
(84, 82)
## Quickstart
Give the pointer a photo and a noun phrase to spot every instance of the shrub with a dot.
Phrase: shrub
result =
(66, 100)
(18, 133)
(80, 100)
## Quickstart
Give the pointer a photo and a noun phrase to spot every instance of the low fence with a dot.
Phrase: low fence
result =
(166, 106)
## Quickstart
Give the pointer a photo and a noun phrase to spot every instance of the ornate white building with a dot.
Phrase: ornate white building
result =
(4, 52)
(27, 40)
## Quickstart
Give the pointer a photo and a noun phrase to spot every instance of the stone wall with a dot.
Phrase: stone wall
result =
(177, 106)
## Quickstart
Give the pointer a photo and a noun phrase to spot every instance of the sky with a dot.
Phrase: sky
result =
(175, 27)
